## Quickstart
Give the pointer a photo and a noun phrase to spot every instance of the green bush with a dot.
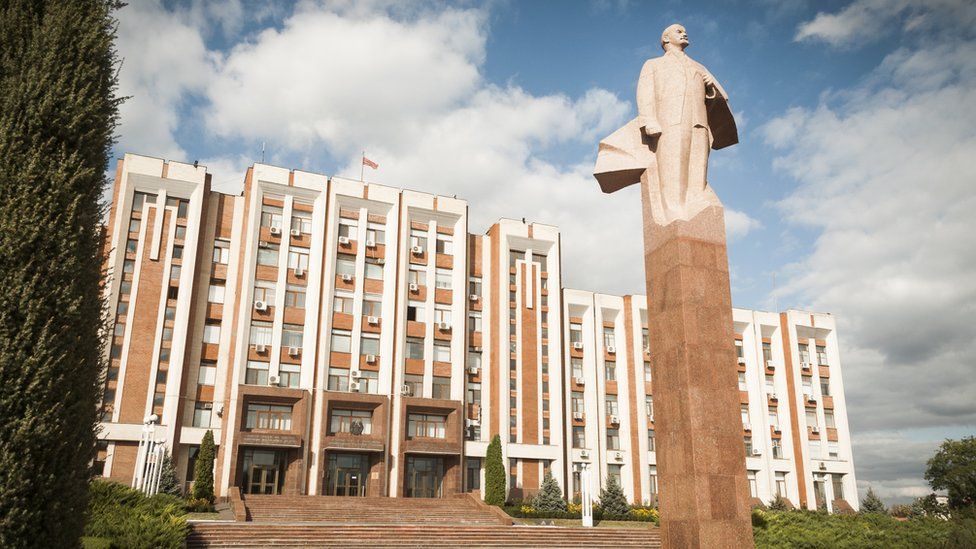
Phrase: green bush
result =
(525, 511)
(203, 483)
(494, 473)
(817, 530)
(612, 498)
(872, 503)
(131, 520)
(550, 496)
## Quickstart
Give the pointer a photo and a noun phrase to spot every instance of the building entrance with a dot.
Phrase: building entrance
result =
(263, 471)
(346, 475)
(425, 477)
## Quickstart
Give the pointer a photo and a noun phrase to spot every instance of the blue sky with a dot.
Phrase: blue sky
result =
(852, 182)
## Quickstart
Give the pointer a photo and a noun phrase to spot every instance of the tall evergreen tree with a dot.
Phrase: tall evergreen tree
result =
(612, 498)
(203, 478)
(550, 496)
(494, 473)
(57, 117)
(169, 483)
(872, 503)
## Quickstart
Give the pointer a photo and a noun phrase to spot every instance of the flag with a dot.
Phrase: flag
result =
(370, 163)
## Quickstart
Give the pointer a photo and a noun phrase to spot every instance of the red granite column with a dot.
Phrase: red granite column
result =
(704, 492)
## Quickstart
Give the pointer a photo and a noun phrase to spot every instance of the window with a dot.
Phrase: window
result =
(348, 229)
(416, 384)
(753, 488)
(781, 484)
(833, 450)
(645, 340)
(131, 246)
(295, 296)
(298, 258)
(647, 371)
(369, 382)
(211, 334)
(804, 353)
(289, 375)
(514, 257)
(770, 383)
(578, 403)
(125, 287)
(613, 471)
(260, 333)
(613, 439)
(821, 355)
(369, 345)
(356, 422)
(767, 351)
(445, 244)
(472, 467)
(202, 413)
(837, 482)
(264, 291)
(442, 314)
(442, 279)
(426, 426)
(119, 329)
(256, 373)
(169, 313)
(652, 480)
(774, 418)
(207, 373)
(651, 443)
(292, 336)
(649, 407)
(474, 286)
(829, 419)
(418, 239)
(338, 379)
(345, 265)
(825, 386)
(610, 370)
(474, 359)
(474, 322)
(609, 338)
(575, 332)
(341, 341)
(375, 234)
(268, 254)
(174, 273)
(138, 199)
(739, 351)
(415, 311)
(373, 306)
(373, 269)
(611, 403)
(271, 417)
(474, 393)
(128, 266)
(301, 221)
(807, 387)
(576, 365)
(744, 413)
(177, 252)
(442, 352)
(811, 418)
(441, 388)
(215, 294)
(271, 216)
(748, 444)
(417, 275)
(221, 253)
(579, 436)
(415, 348)
(742, 382)
(777, 446)
(342, 303)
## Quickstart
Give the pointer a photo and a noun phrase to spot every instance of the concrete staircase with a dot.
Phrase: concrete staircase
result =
(251, 534)
(371, 510)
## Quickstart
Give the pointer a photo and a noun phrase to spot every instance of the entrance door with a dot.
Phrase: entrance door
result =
(424, 477)
(263, 480)
(346, 474)
(263, 470)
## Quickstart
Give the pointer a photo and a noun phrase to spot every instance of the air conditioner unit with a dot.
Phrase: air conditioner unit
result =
(273, 380)
(296, 232)
(299, 272)
(807, 365)
(472, 422)
(756, 452)
(353, 386)
(370, 243)
(416, 250)
(263, 244)
(772, 396)
(344, 240)
(405, 390)
(578, 345)
(444, 326)
(647, 350)
(746, 426)
(618, 455)
(476, 348)
(614, 420)
(373, 320)
(355, 374)
(811, 398)
(578, 380)
(611, 349)
(260, 306)
(770, 364)
(815, 429)
(414, 287)
(742, 360)
(260, 348)
(584, 454)
(208, 405)
(777, 431)
(578, 416)
(275, 230)
(473, 370)
(473, 297)
(370, 359)
(823, 466)
(294, 351)
(347, 278)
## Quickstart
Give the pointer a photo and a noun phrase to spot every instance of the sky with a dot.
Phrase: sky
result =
(851, 190)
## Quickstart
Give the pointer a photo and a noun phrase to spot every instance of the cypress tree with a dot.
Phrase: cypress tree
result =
(203, 479)
(57, 117)
(550, 496)
(612, 498)
(494, 473)
(169, 483)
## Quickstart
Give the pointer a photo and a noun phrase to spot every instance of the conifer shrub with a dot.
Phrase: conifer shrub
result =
(203, 479)
(613, 502)
(550, 496)
(494, 473)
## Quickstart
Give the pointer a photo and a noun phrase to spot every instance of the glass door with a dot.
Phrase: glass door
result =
(425, 477)
(346, 475)
(263, 471)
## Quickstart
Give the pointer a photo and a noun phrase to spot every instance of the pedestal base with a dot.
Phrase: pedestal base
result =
(704, 492)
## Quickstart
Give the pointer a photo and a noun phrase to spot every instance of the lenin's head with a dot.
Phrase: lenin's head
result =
(676, 36)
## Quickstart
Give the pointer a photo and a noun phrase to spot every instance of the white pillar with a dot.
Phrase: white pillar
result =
(586, 495)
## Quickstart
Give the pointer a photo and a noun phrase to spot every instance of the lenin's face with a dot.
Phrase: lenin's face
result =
(678, 36)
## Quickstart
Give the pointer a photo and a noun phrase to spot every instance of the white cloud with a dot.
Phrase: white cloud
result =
(739, 224)
(866, 20)
(886, 177)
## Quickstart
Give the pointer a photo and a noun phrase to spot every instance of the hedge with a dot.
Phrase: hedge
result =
(528, 512)
(819, 530)
(131, 520)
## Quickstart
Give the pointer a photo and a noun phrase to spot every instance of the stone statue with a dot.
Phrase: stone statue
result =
(682, 112)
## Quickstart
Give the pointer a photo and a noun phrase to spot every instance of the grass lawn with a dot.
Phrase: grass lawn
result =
(203, 516)
(596, 523)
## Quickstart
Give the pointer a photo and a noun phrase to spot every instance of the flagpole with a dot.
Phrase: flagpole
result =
(362, 167)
